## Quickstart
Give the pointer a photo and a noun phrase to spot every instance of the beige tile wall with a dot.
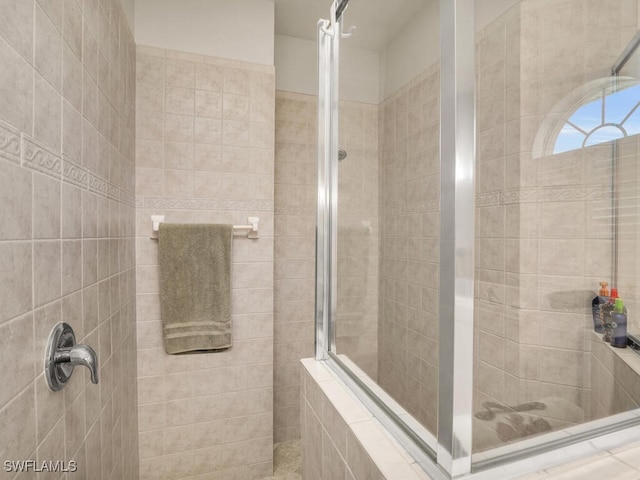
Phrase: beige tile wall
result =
(329, 448)
(295, 222)
(295, 248)
(204, 153)
(498, 226)
(615, 387)
(409, 182)
(543, 226)
(341, 439)
(66, 232)
(358, 236)
(629, 229)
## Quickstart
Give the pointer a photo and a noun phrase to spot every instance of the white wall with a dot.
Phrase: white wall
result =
(488, 10)
(243, 29)
(296, 65)
(365, 75)
(237, 29)
(296, 61)
(359, 74)
(129, 7)
(416, 47)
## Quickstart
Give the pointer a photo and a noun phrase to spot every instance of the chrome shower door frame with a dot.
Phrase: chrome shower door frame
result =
(457, 236)
(329, 32)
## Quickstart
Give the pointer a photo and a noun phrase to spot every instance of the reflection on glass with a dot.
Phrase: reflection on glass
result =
(556, 214)
(570, 138)
(632, 122)
(606, 133)
(619, 104)
(588, 116)
(608, 118)
(388, 215)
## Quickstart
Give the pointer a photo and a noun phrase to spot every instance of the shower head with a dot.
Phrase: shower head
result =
(342, 154)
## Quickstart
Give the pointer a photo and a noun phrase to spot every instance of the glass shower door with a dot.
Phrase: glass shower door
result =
(382, 161)
(456, 286)
(555, 216)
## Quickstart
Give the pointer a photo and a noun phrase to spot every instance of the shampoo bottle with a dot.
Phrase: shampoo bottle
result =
(606, 309)
(619, 325)
(598, 300)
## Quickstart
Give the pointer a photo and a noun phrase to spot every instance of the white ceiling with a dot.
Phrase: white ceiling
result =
(376, 21)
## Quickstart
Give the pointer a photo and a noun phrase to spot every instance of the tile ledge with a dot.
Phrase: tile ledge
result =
(369, 433)
(627, 355)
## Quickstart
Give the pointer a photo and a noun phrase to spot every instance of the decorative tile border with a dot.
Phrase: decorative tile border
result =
(488, 199)
(524, 195)
(512, 197)
(578, 193)
(164, 203)
(311, 210)
(169, 203)
(38, 157)
(114, 192)
(542, 195)
(81, 177)
(98, 185)
(127, 198)
(412, 209)
(9, 143)
(295, 210)
(73, 173)
(214, 204)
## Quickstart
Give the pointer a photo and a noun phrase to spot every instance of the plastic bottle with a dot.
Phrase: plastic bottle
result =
(600, 299)
(606, 310)
(619, 325)
(603, 292)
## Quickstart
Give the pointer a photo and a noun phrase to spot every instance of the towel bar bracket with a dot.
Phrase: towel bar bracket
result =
(251, 230)
(252, 227)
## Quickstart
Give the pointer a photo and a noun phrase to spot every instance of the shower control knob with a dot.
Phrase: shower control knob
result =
(63, 354)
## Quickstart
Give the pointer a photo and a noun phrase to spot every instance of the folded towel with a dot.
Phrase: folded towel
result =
(195, 286)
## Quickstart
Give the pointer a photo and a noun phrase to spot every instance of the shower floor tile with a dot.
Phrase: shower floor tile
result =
(287, 461)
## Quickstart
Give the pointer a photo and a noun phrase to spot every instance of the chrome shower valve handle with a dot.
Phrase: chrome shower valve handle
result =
(62, 354)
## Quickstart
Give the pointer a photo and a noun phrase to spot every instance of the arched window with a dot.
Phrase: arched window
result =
(611, 115)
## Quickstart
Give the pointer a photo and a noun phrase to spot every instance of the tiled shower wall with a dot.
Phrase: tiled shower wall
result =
(204, 154)
(628, 194)
(66, 231)
(408, 174)
(295, 223)
(614, 382)
(543, 226)
(410, 204)
(294, 263)
(358, 237)
(614, 372)
(340, 438)
(497, 339)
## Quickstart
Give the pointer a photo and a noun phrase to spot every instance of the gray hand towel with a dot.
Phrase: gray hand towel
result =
(195, 286)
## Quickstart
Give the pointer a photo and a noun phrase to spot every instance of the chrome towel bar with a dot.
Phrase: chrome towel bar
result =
(250, 230)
